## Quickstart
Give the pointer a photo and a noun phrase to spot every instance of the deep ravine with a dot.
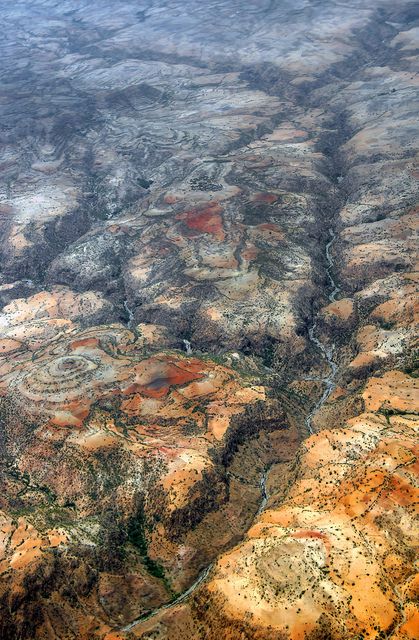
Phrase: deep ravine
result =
(328, 381)
(130, 315)
(180, 598)
(205, 572)
(327, 353)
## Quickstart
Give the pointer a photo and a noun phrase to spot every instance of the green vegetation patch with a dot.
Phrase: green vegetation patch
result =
(137, 537)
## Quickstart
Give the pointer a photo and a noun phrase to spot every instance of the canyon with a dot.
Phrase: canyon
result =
(208, 322)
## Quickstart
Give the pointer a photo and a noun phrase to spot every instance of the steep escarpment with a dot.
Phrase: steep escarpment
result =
(207, 347)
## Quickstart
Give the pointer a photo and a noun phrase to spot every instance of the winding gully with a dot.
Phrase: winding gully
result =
(329, 384)
(325, 351)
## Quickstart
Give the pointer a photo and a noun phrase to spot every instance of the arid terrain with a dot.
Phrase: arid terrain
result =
(209, 320)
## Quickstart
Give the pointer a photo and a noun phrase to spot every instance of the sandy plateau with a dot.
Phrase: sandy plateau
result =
(208, 320)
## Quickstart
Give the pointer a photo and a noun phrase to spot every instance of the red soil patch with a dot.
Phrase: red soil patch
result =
(250, 253)
(269, 231)
(401, 492)
(5, 208)
(269, 226)
(72, 414)
(133, 388)
(85, 342)
(206, 219)
(169, 199)
(158, 388)
(268, 198)
(310, 533)
(174, 375)
(317, 535)
(163, 375)
(132, 405)
(8, 344)
(170, 453)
